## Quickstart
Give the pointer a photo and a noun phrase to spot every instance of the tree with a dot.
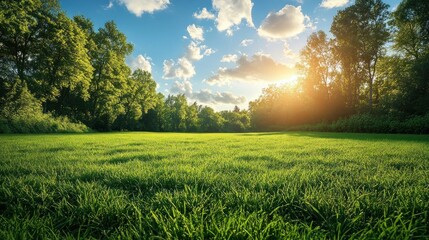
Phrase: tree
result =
(23, 26)
(62, 68)
(192, 120)
(175, 113)
(210, 121)
(409, 71)
(361, 33)
(411, 22)
(318, 65)
(154, 119)
(139, 96)
(110, 76)
(235, 121)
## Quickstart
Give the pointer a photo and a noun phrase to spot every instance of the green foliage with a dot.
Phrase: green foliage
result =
(361, 33)
(68, 70)
(236, 121)
(210, 120)
(138, 97)
(109, 82)
(214, 186)
(22, 113)
(369, 123)
(175, 113)
(412, 35)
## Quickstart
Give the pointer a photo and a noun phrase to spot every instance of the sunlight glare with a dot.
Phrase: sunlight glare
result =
(292, 80)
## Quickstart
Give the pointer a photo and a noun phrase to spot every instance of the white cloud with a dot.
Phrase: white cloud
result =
(196, 33)
(209, 52)
(184, 87)
(333, 3)
(109, 6)
(183, 69)
(286, 23)
(141, 62)
(246, 42)
(229, 58)
(138, 7)
(226, 97)
(232, 12)
(204, 14)
(259, 68)
(206, 96)
(194, 52)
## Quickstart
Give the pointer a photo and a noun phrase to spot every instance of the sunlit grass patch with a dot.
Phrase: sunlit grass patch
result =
(203, 186)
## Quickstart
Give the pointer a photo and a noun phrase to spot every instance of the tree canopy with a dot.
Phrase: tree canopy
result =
(376, 62)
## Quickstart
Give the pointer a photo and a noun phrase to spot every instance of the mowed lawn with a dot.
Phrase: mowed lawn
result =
(214, 186)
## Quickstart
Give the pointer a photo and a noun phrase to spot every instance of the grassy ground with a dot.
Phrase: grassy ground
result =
(221, 186)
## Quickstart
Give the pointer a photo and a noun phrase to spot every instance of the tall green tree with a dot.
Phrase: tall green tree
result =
(409, 70)
(192, 120)
(361, 34)
(63, 71)
(318, 65)
(110, 75)
(139, 96)
(23, 27)
(175, 113)
(411, 22)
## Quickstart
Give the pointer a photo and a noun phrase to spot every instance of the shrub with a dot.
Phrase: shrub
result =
(22, 113)
(368, 123)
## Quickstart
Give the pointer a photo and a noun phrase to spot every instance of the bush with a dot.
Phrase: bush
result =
(42, 123)
(22, 113)
(367, 123)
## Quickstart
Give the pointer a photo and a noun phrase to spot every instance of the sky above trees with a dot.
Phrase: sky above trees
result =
(220, 53)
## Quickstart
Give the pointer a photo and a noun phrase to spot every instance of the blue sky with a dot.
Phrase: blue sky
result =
(220, 53)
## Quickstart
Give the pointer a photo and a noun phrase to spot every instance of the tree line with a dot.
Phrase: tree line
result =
(375, 66)
(53, 66)
(62, 71)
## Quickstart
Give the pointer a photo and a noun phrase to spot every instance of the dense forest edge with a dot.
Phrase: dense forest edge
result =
(59, 74)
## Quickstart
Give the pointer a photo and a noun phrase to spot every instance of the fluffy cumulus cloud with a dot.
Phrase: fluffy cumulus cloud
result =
(206, 96)
(286, 23)
(333, 3)
(182, 69)
(184, 87)
(259, 68)
(204, 14)
(196, 52)
(141, 62)
(229, 58)
(196, 33)
(138, 7)
(246, 42)
(232, 12)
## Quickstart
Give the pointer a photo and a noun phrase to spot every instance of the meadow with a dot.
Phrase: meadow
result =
(293, 185)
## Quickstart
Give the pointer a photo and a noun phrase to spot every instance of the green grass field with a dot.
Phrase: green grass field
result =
(214, 186)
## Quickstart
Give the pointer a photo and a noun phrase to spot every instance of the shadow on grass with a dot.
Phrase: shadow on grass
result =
(349, 136)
